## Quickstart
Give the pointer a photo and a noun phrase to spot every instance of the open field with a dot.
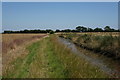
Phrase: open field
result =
(59, 40)
(10, 41)
(13, 46)
(45, 56)
(48, 58)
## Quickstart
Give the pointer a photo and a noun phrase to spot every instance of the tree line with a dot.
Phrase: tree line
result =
(84, 29)
(77, 29)
(30, 31)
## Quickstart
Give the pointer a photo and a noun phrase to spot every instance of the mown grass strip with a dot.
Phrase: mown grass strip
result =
(39, 67)
(33, 49)
(46, 63)
(56, 67)
(21, 65)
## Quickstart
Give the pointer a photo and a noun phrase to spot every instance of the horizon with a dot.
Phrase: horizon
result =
(58, 15)
(61, 29)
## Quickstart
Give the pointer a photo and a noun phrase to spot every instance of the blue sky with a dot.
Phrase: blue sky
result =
(58, 15)
(0, 17)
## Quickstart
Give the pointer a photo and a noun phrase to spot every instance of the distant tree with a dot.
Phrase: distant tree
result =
(78, 29)
(51, 32)
(107, 28)
(81, 29)
(89, 30)
(48, 30)
(98, 30)
(26, 31)
(67, 30)
(7, 32)
(73, 30)
(113, 30)
(57, 30)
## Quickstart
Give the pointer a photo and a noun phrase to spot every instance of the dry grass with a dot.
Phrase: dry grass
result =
(49, 58)
(11, 41)
(107, 43)
(93, 33)
(101, 33)
(13, 46)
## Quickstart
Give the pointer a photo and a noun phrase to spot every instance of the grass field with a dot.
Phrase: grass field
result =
(13, 46)
(47, 58)
(10, 41)
(43, 56)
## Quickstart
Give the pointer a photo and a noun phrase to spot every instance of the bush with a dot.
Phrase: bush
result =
(51, 32)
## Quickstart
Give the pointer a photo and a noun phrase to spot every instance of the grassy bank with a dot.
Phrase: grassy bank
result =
(75, 66)
(48, 58)
(108, 45)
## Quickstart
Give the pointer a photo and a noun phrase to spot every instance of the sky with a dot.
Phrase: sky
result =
(119, 15)
(58, 15)
(60, 0)
(0, 17)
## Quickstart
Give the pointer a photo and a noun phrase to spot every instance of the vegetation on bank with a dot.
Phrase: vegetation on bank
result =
(75, 66)
(49, 58)
(108, 45)
(78, 29)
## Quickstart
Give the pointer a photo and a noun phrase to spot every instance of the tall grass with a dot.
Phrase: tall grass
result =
(13, 47)
(20, 67)
(49, 58)
(108, 45)
(11, 41)
(75, 66)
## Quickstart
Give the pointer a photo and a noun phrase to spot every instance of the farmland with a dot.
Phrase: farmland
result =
(65, 40)
(47, 56)
(13, 46)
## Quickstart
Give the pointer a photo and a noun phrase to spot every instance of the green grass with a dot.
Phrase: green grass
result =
(75, 66)
(56, 68)
(46, 63)
(21, 65)
(98, 43)
(48, 58)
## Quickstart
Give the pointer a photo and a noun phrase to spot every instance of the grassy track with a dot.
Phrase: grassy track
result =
(48, 58)
(46, 64)
(21, 65)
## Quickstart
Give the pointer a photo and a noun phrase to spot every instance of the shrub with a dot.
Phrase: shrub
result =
(51, 32)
